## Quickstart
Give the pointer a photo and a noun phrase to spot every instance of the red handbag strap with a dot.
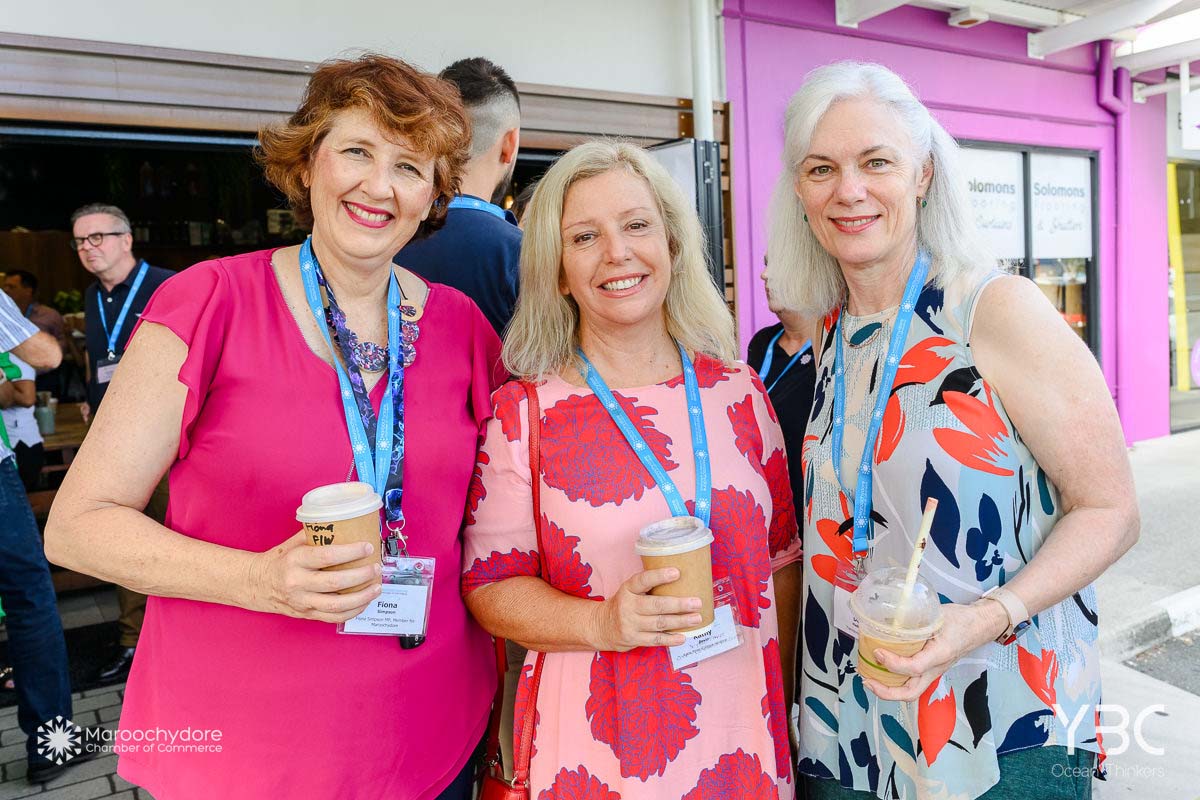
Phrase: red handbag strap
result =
(524, 745)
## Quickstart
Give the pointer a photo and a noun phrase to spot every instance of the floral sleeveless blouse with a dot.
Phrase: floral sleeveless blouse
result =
(945, 434)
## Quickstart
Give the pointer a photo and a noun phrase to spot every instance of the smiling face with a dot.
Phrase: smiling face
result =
(860, 184)
(368, 192)
(616, 262)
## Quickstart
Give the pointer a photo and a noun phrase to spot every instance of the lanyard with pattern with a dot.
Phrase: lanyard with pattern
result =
(115, 333)
(382, 465)
(478, 205)
(643, 451)
(864, 487)
(770, 357)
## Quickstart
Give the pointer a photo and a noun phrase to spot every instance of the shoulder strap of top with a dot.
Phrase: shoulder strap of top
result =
(972, 300)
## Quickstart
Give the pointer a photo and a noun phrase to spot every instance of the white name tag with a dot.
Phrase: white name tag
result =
(398, 610)
(843, 618)
(722, 636)
(105, 370)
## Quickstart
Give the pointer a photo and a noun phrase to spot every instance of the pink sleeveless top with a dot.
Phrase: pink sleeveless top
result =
(304, 711)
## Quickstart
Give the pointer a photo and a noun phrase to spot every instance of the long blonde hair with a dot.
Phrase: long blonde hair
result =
(801, 273)
(544, 332)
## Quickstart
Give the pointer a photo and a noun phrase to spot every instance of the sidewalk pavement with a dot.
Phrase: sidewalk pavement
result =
(1153, 592)
(89, 781)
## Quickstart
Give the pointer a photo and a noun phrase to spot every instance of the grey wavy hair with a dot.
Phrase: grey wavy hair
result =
(802, 275)
(544, 332)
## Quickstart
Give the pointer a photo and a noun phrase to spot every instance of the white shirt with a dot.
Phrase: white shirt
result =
(19, 420)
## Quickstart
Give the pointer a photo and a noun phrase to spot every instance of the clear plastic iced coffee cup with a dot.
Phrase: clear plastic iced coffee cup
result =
(343, 513)
(883, 625)
(686, 544)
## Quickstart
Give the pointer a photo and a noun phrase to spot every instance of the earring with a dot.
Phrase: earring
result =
(806, 217)
(922, 201)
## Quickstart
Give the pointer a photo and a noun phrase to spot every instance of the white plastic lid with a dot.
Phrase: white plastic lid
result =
(670, 537)
(338, 501)
(877, 605)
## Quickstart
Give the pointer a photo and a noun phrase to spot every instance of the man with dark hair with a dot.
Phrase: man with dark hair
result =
(22, 287)
(102, 236)
(478, 250)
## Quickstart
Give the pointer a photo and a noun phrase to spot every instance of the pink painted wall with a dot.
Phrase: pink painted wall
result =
(980, 85)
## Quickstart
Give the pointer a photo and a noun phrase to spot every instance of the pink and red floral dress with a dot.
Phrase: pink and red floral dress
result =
(628, 725)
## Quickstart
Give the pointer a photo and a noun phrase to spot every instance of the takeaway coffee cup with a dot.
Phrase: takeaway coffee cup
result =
(882, 625)
(686, 544)
(342, 513)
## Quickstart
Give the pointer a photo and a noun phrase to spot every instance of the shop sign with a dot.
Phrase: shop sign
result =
(996, 186)
(1061, 206)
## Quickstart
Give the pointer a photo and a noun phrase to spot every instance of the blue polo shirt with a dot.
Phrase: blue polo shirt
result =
(477, 253)
(97, 342)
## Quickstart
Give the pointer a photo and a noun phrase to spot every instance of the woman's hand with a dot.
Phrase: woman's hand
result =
(964, 629)
(289, 580)
(632, 618)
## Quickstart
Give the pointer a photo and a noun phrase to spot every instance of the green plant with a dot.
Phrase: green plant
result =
(69, 301)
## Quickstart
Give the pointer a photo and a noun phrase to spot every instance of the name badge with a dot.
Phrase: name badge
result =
(105, 369)
(720, 638)
(724, 634)
(402, 608)
(845, 582)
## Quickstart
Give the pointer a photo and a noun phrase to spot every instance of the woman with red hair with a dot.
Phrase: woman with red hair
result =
(243, 380)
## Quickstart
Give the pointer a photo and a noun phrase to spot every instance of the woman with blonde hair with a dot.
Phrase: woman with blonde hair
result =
(614, 293)
(929, 363)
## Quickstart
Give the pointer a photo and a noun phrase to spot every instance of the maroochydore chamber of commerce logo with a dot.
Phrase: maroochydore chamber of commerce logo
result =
(59, 740)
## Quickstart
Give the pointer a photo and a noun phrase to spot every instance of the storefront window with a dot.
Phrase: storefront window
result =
(996, 183)
(1035, 211)
(1062, 233)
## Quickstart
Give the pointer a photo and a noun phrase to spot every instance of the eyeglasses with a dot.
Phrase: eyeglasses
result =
(94, 239)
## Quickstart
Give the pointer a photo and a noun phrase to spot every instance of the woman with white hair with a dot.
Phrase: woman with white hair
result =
(614, 293)
(930, 362)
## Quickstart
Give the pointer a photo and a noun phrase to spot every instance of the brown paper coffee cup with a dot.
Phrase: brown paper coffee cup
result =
(343, 513)
(686, 544)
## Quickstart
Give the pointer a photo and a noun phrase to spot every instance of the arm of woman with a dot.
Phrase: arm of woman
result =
(1050, 383)
(539, 617)
(97, 526)
(789, 581)
(502, 579)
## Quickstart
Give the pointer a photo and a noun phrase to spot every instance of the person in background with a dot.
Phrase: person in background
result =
(478, 250)
(36, 649)
(252, 380)
(102, 237)
(782, 356)
(521, 204)
(22, 287)
(939, 377)
(17, 397)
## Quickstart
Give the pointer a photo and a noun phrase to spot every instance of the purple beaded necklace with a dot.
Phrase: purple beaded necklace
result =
(368, 356)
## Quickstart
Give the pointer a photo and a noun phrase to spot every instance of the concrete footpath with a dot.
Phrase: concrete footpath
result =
(1153, 593)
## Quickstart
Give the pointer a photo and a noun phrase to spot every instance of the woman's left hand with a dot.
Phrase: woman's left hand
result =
(964, 628)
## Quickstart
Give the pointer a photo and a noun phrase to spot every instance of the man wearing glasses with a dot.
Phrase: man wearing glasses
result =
(101, 235)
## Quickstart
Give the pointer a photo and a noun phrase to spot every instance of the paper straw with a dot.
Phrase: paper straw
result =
(910, 580)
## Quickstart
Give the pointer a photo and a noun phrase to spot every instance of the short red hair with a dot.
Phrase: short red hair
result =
(406, 103)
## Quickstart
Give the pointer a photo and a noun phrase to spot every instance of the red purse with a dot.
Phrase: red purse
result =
(493, 785)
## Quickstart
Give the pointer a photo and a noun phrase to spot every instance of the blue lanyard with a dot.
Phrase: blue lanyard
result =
(865, 485)
(766, 365)
(115, 333)
(646, 455)
(478, 205)
(373, 472)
